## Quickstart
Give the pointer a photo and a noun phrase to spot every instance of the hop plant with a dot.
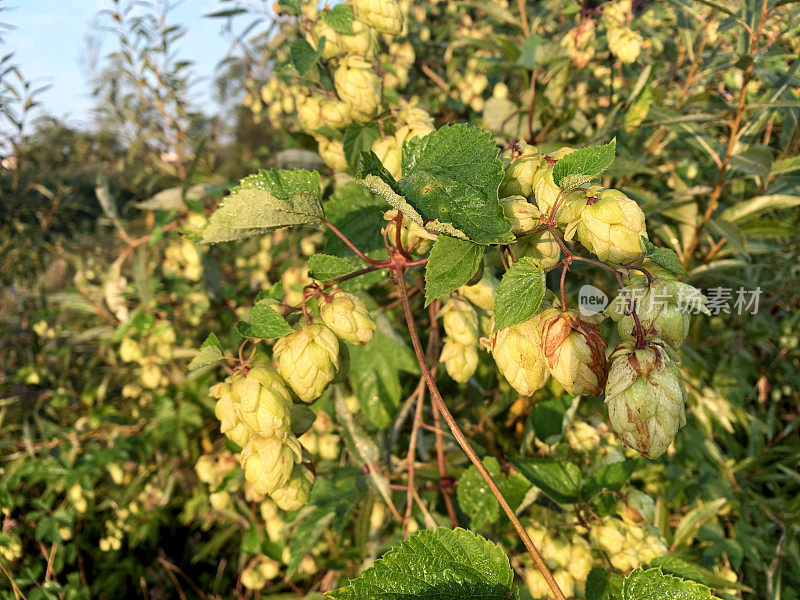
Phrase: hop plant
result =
(645, 397)
(541, 246)
(260, 570)
(517, 350)
(523, 215)
(268, 462)
(295, 492)
(574, 352)
(664, 308)
(460, 360)
(362, 42)
(332, 152)
(358, 85)
(611, 226)
(460, 321)
(524, 162)
(308, 360)
(262, 401)
(416, 240)
(317, 111)
(383, 15)
(346, 315)
(481, 293)
(226, 411)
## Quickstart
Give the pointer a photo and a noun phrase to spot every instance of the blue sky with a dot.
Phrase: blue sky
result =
(50, 40)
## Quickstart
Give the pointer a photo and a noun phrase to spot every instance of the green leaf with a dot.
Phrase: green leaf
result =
(451, 264)
(527, 55)
(602, 585)
(663, 256)
(547, 418)
(357, 138)
(687, 529)
(758, 205)
(557, 479)
(265, 324)
(209, 353)
(610, 478)
(324, 267)
(476, 499)
(434, 565)
(375, 371)
(303, 55)
(340, 18)
(520, 293)
(673, 565)
(370, 164)
(583, 165)
(453, 178)
(266, 201)
(653, 584)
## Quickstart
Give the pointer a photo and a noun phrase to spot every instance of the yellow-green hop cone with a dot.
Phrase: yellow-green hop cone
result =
(545, 190)
(664, 309)
(260, 570)
(460, 321)
(383, 15)
(645, 397)
(483, 293)
(264, 404)
(523, 215)
(346, 315)
(226, 411)
(318, 111)
(416, 240)
(624, 43)
(332, 152)
(611, 226)
(268, 462)
(357, 84)
(459, 360)
(574, 352)
(308, 360)
(294, 493)
(524, 161)
(517, 350)
(362, 41)
(541, 247)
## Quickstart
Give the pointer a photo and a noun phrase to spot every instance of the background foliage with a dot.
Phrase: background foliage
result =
(105, 299)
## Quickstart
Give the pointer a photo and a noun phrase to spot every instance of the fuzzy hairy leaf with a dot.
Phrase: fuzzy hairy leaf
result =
(324, 267)
(264, 202)
(520, 293)
(432, 565)
(583, 165)
(451, 264)
(664, 257)
(265, 324)
(209, 353)
(452, 176)
(653, 584)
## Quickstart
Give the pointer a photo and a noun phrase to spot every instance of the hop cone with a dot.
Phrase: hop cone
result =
(263, 402)
(296, 491)
(459, 360)
(414, 238)
(574, 352)
(358, 85)
(226, 411)
(346, 315)
(460, 321)
(645, 397)
(517, 350)
(308, 360)
(524, 162)
(383, 15)
(611, 226)
(664, 309)
(268, 462)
